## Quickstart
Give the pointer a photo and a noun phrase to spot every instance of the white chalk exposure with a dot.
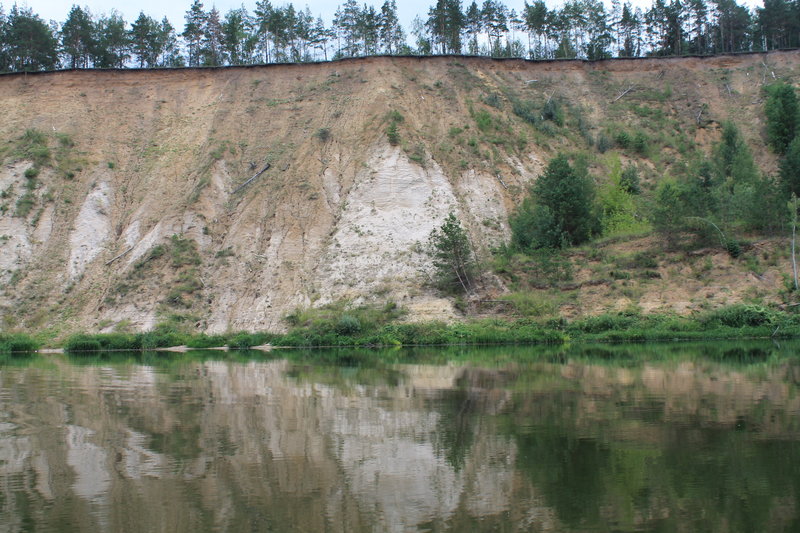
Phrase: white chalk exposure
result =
(92, 230)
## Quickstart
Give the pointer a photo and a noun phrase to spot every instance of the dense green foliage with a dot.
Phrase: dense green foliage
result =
(343, 325)
(719, 197)
(557, 212)
(790, 168)
(11, 343)
(273, 34)
(782, 114)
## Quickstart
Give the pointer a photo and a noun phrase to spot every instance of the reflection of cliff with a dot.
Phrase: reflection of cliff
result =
(243, 446)
(273, 446)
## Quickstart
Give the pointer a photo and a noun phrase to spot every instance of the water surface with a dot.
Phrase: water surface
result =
(680, 437)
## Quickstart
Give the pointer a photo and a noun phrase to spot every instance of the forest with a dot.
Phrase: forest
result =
(267, 33)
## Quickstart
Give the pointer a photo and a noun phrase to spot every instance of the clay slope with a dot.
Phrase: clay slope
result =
(137, 214)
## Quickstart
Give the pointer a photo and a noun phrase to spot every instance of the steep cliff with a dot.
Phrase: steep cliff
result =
(122, 199)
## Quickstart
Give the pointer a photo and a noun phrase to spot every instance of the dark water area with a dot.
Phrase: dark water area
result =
(668, 437)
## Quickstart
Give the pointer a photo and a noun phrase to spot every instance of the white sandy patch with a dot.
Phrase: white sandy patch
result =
(386, 219)
(91, 231)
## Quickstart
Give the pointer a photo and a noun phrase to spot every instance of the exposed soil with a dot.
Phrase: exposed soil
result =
(340, 213)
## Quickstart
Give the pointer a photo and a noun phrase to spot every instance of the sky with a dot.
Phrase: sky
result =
(175, 10)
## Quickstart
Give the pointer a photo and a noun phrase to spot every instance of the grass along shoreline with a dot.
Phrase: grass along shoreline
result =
(370, 327)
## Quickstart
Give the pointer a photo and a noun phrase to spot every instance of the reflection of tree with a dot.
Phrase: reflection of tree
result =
(636, 471)
(569, 468)
(454, 432)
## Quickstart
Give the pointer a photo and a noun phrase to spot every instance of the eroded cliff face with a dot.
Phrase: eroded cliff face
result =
(137, 213)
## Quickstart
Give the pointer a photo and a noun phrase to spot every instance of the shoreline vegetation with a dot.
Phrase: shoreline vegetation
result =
(367, 327)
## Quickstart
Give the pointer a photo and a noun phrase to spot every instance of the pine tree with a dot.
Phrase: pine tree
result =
(495, 21)
(452, 256)
(143, 39)
(558, 211)
(30, 44)
(193, 32)
(169, 50)
(390, 32)
(213, 49)
(473, 25)
(790, 168)
(77, 38)
(346, 24)
(263, 14)
(236, 36)
(783, 114)
(112, 42)
(446, 22)
(535, 17)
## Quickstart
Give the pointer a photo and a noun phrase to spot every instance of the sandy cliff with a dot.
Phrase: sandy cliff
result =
(151, 160)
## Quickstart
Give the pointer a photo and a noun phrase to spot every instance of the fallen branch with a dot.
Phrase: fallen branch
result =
(501, 181)
(246, 183)
(626, 91)
(120, 255)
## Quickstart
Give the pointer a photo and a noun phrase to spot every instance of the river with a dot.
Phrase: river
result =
(666, 437)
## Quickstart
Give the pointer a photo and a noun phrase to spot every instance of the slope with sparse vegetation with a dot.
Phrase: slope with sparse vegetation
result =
(227, 200)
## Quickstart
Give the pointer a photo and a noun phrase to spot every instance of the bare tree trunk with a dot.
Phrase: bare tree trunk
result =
(794, 239)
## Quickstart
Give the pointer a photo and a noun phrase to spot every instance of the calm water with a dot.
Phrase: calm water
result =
(630, 438)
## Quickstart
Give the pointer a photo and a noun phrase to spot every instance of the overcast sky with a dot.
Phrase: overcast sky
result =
(175, 10)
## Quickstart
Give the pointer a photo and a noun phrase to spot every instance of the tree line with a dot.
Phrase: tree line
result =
(273, 34)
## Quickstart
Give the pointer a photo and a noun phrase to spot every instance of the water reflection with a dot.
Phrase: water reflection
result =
(590, 438)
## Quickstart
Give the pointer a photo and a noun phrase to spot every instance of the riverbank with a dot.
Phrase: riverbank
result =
(366, 327)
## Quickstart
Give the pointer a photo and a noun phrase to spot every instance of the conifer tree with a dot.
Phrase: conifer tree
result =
(193, 32)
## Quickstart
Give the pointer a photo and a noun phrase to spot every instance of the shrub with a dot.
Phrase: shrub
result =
(17, 343)
(33, 146)
(183, 251)
(733, 247)
(24, 204)
(600, 323)
(31, 172)
(324, 134)
(603, 143)
(394, 116)
(206, 341)
(119, 341)
(526, 110)
(348, 325)
(392, 134)
(483, 120)
(553, 112)
(82, 343)
(637, 142)
(629, 180)
(741, 315)
(640, 143)
(670, 209)
(242, 341)
(493, 100)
